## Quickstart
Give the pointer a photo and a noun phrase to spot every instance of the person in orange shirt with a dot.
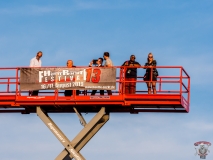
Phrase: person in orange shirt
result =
(70, 92)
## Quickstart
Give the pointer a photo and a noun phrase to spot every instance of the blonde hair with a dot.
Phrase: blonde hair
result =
(150, 53)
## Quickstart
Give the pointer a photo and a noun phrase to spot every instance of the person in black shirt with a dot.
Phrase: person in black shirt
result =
(131, 74)
(151, 76)
(98, 64)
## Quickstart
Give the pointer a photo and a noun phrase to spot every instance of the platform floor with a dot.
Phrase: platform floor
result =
(116, 103)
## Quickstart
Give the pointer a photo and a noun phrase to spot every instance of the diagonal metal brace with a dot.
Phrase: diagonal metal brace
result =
(59, 134)
(81, 118)
(86, 134)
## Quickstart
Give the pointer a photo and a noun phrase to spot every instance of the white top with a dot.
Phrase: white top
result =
(108, 62)
(35, 63)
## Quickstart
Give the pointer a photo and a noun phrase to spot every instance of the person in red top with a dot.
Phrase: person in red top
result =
(131, 74)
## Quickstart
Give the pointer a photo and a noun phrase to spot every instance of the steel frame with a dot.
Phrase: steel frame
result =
(12, 100)
(72, 148)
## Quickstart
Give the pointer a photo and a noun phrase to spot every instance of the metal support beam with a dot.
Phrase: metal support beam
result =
(59, 134)
(82, 138)
(87, 133)
(81, 118)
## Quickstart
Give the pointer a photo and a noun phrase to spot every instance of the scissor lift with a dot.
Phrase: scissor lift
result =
(13, 100)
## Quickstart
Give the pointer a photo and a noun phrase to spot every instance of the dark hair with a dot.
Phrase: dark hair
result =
(101, 59)
(132, 56)
(39, 52)
(106, 54)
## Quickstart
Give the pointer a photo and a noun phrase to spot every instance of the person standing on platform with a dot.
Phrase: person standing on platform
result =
(99, 64)
(70, 64)
(131, 75)
(147, 77)
(70, 92)
(108, 63)
(36, 62)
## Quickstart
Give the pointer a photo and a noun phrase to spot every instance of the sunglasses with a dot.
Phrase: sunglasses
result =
(150, 56)
(133, 57)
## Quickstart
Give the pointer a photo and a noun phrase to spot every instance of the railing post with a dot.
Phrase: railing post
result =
(74, 94)
(8, 85)
(17, 82)
(123, 79)
(56, 94)
(119, 82)
(188, 97)
(181, 80)
(160, 84)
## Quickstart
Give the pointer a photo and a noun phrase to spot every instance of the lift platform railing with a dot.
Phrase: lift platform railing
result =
(177, 77)
(180, 82)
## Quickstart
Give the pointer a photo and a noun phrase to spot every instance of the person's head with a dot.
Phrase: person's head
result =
(106, 55)
(100, 61)
(132, 58)
(150, 57)
(39, 54)
(69, 63)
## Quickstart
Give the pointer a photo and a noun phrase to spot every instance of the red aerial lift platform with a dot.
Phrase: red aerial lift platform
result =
(173, 95)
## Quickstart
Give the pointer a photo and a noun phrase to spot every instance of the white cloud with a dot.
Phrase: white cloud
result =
(29, 10)
(201, 126)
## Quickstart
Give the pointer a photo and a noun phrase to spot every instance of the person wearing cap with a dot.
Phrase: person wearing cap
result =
(131, 74)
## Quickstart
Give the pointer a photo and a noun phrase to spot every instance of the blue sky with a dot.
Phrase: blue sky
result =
(178, 33)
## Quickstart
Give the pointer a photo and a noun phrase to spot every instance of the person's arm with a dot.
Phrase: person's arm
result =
(90, 64)
(145, 66)
(126, 63)
(154, 63)
(137, 64)
(109, 65)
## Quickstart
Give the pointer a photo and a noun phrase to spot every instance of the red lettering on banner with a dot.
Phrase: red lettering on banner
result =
(96, 78)
(89, 71)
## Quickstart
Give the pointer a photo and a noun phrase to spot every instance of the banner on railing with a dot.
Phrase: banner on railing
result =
(68, 78)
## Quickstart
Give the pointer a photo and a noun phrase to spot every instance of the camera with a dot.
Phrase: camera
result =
(95, 61)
